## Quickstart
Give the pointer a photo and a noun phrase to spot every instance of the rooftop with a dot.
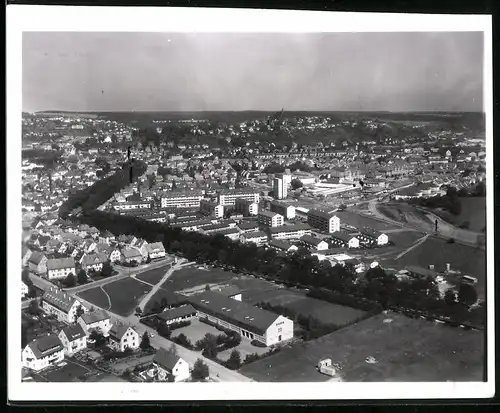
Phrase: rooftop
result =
(60, 263)
(59, 299)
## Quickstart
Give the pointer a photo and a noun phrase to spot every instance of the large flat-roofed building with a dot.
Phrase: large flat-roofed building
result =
(324, 221)
(290, 231)
(270, 219)
(280, 189)
(251, 322)
(214, 209)
(122, 206)
(246, 207)
(230, 197)
(286, 177)
(288, 211)
(181, 199)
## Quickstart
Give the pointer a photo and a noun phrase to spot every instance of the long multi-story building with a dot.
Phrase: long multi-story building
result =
(61, 304)
(324, 221)
(288, 211)
(181, 199)
(229, 197)
(123, 206)
(250, 322)
(290, 231)
(246, 207)
(270, 219)
(214, 209)
(280, 190)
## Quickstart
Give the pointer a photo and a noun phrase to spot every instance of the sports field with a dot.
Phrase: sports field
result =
(153, 276)
(125, 295)
(95, 296)
(403, 349)
(322, 310)
(438, 252)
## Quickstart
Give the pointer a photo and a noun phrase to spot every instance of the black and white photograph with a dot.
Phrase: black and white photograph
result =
(249, 211)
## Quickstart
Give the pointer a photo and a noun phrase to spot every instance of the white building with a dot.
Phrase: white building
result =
(123, 206)
(324, 221)
(372, 237)
(94, 262)
(257, 237)
(58, 268)
(73, 339)
(211, 208)
(155, 250)
(270, 219)
(177, 314)
(166, 364)
(43, 352)
(97, 320)
(24, 290)
(290, 231)
(280, 190)
(288, 211)
(122, 337)
(344, 240)
(61, 304)
(313, 243)
(251, 322)
(246, 207)
(182, 199)
(115, 255)
(229, 197)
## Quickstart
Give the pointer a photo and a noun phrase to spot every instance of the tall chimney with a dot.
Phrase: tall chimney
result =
(448, 266)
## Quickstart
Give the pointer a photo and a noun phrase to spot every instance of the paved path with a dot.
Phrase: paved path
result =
(107, 295)
(415, 245)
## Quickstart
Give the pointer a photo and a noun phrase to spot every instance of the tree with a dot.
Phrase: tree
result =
(78, 312)
(70, 280)
(107, 270)
(145, 344)
(467, 294)
(24, 335)
(82, 277)
(209, 346)
(98, 337)
(296, 184)
(34, 307)
(207, 287)
(449, 297)
(200, 370)
(234, 361)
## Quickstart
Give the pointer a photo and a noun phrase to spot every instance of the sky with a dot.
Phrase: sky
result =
(87, 71)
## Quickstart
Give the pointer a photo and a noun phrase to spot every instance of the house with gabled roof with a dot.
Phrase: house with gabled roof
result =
(369, 236)
(155, 250)
(122, 336)
(313, 243)
(61, 304)
(281, 245)
(73, 339)
(97, 320)
(94, 262)
(58, 268)
(43, 352)
(167, 364)
(142, 246)
(37, 262)
(344, 240)
(130, 255)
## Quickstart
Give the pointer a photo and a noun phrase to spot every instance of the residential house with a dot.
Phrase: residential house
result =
(248, 226)
(61, 304)
(73, 339)
(130, 255)
(115, 255)
(257, 237)
(58, 268)
(283, 246)
(167, 364)
(369, 236)
(313, 243)
(142, 246)
(270, 219)
(97, 320)
(24, 290)
(94, 262)
(43, 352)
(26, 254)
(156, 250)
(122, 337)
(37, 262)
(344, 240)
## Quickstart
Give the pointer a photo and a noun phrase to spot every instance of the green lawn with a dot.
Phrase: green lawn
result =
(95, 296)
(473, 211)
(359, 221)
(405, 350)
(190, 277)
(125, 295)
(153, 276)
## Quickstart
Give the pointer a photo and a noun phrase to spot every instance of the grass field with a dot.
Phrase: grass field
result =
(190, 277)
(438, 253)
(153, 276)
(322, 310)
(70, 372)
(359, 221)
(95, 296)
(473, 211)
(405, 350)
(405, 238)
(125, 295)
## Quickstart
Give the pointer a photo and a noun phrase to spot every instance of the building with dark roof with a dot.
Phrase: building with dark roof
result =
(369, 236)
(177, 314)
(167, 364)
(280, 245)
(313, 243)
(324, 221)
(251, 322)
(344, 240)
(257, 237)
(73, 339)
(61, 304)
(43, 352)
(122, 336)
(284, 209)
(58, 268)
(98, 320)
(248, 226)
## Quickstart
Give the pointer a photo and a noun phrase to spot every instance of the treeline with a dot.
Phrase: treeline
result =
(95, 195)
(449, 202)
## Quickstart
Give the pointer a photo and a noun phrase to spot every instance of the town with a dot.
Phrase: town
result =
(260, 247)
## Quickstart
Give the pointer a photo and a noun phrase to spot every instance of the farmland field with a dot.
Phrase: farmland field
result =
(125, 295)
(438, 253)
(404, 350)
(95, 296)
(153, 276)
(190, 277)
(322, 310)
(359, 221)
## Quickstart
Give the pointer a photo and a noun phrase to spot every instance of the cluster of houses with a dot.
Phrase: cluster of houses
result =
(51, 349)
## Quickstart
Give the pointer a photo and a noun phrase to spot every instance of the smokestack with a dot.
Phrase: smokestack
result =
(448, 266)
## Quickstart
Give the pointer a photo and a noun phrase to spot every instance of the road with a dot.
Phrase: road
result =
(217, 372)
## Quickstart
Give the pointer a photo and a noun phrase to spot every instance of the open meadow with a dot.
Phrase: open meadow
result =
(154, 275)
(95, 296)
(403, 349)
(191, 277)
(359, 221)
(125, 294)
